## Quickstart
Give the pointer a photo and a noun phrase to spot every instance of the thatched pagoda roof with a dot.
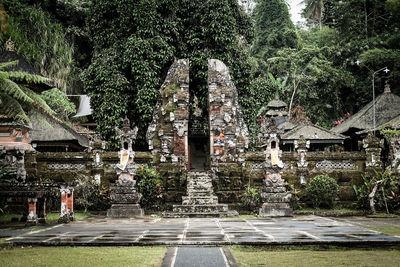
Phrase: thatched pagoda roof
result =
(44, 128)
(387, 107)
(314, 133)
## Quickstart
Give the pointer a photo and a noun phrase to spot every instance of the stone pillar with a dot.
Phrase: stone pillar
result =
(373, 148)
(42, 210)
(301, 146)
(274, 196)
(70, 203)
(67, 204)
(32, 217)
(167, 134)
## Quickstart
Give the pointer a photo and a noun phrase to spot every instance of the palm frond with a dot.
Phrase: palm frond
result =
(38, 101)
(4, 65)
(12, 109)
(30, 78)
(14, 90)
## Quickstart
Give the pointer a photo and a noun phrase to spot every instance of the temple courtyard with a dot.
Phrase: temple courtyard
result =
(236, 241)
(299, 230)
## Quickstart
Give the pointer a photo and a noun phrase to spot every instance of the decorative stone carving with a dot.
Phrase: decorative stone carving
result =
(167, 134)
(329, 165)
(274, 196)
(302, 146)
(373, 148)
(125, 197)
(228, 132)
(67, 204)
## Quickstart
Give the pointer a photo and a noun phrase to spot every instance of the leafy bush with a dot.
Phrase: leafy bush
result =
(251, 199)
(387, 194)
(59, 102)
(150, 185)
(90, 195)
(322, 190)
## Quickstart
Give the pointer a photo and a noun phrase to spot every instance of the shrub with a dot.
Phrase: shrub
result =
(250, 199)
(322, 190)
(150, 185)
(89, 195)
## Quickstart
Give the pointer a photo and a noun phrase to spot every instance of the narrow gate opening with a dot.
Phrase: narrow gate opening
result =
(198, 137)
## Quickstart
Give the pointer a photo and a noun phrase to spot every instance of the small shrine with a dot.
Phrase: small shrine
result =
(275, 199)
(125, 198)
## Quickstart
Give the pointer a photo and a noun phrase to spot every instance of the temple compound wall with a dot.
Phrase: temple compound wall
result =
(230, 167)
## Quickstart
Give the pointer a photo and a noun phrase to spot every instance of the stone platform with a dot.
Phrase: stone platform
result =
(300, 230)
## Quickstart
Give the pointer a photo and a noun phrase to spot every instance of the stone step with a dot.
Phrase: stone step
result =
(200, 188)
(199, 200)
(215, 208)
(201, 193)
(196, 214)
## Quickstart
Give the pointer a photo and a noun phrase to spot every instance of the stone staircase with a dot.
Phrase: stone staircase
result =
(200, 200)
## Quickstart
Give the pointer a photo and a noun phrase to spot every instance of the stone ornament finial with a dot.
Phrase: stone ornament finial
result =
(387, 88)
(10, 45)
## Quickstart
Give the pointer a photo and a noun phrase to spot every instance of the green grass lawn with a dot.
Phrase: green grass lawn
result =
(251, 256)
(390, 230)
(83, 256)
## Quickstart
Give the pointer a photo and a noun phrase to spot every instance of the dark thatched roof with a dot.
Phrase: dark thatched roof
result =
(387, 107)
(44, 128)
(23, 66)
(314, 133)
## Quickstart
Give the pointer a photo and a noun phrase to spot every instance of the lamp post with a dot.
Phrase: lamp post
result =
(373, 73)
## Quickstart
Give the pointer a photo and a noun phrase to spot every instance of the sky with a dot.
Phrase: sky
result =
(295, 10)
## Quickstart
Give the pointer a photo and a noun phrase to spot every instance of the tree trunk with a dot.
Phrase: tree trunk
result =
(371, 196)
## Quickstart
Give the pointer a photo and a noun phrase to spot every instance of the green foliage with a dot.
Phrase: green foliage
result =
(322, 191)
(59, 102)
(150, 185)
(388, 192)
(313, 11)
(274, 29)
(41, 41)
(137, 44)
(18, 100)
(89, 194)
(250, 199)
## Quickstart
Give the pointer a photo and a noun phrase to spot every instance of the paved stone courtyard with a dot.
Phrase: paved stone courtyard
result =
(206, 231)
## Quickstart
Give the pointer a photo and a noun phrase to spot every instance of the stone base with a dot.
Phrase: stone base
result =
(185, 211)
(66, 218)
(276, 210)
(125, 211)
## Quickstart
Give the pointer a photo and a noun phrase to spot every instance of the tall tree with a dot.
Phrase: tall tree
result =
(273, 28)
(139, 40)
(313, 10)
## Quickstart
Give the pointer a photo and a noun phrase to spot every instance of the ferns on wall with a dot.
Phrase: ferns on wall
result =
(43, 43)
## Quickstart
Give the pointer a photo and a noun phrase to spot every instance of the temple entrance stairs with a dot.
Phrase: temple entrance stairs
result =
(200, 200)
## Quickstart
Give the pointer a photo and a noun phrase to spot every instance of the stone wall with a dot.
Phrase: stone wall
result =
(345, 167)
(64, 166)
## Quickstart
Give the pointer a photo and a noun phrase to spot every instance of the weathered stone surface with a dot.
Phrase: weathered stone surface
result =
(125, 211)
(167, 134)
(228, 130)
(276, 210)
(200, 199)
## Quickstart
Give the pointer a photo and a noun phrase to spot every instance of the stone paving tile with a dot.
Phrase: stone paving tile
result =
(211, 231)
